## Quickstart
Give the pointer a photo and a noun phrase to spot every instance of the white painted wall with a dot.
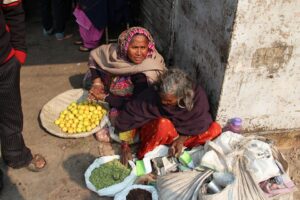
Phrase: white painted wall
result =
(262, 77)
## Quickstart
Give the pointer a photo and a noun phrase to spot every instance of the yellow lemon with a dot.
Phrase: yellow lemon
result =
(98, 107)
(86, 123)
(88, 128)
(80, 112)
(92, 108)
(78, 130)
(95, 112)
(70, 130)
(80, 117)
(75, 112)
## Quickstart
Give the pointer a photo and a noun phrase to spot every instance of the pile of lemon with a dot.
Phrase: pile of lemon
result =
(80, 117)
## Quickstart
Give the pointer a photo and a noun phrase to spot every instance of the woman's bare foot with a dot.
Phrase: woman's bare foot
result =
(102, 135)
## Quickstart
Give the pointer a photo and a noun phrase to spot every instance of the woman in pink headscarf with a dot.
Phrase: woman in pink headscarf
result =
(124, 69)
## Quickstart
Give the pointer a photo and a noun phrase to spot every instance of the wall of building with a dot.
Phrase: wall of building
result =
(157, 17)
(245, 53)
(262, 76)
(202, 36)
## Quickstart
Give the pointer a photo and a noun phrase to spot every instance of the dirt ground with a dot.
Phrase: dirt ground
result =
(52, 68)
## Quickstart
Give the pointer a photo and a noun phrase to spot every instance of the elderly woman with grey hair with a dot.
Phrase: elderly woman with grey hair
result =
(175, 113)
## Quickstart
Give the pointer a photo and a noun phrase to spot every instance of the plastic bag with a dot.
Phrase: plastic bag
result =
(181, 185)
(260, 161)
(159, 151)
(244, 186)
(228, 140)
(114, 189)
(122, 195)
(211, 160)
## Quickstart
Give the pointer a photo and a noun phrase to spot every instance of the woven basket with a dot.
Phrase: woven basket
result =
(51, 110)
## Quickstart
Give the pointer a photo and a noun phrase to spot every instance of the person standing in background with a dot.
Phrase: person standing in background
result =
(91, 17)
(54, 17)
(12, 54)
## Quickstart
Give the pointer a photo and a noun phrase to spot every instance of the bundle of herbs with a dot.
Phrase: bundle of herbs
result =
(108, 174)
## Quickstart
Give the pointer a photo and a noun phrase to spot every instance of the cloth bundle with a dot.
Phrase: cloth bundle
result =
(244, 160)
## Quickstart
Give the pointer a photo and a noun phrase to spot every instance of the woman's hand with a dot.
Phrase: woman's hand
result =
(125, 153)
(177, 146)
(97, 92)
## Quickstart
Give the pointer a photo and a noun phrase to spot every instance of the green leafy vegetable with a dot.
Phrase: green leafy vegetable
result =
(108, 174)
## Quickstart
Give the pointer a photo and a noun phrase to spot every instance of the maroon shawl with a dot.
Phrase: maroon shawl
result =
(147, 107)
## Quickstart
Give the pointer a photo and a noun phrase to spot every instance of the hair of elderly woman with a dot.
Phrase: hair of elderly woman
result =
(176, 82)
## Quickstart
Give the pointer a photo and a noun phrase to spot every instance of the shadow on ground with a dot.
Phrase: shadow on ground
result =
(46, 50)
(10, 189)
(76, 80)
(76, 165)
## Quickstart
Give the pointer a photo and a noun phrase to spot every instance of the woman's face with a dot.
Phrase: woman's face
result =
(138, 49)
(168, 99)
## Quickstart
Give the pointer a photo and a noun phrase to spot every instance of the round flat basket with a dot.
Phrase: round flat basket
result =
(51, 110)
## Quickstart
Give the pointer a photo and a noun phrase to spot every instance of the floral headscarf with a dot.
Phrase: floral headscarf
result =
(127, 35)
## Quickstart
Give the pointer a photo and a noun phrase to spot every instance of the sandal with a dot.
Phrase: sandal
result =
(63, 37)
(37, 164)
(84, 49)
(78, 42)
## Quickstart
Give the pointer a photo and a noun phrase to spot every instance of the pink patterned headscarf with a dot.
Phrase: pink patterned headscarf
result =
(126, 36)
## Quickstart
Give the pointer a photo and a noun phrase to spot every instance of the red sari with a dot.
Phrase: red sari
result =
(162, 131)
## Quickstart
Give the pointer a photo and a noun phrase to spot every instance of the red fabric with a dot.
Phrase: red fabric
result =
(162, 131)
(21, 56)
(7, 28)
(213, 131)
(10, 55)
(17, 2)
